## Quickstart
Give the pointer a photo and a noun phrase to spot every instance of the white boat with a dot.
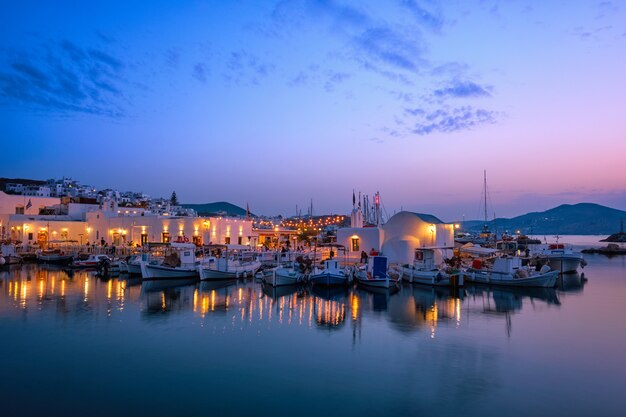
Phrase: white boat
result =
(181, 263)
(424, 271)
(331, 275)
(9, 254)
(559, 257)
(133, 264)
(54, 256)
(509, 271)
(286, 275)
(375, 273)
(224, 268)
(89, 261)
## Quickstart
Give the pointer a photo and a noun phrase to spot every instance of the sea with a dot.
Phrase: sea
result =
(75, 344)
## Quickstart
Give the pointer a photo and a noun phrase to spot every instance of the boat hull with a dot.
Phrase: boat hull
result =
(235, 273)
(165, 272)
(55, 259)
(564, 264)
(328, 279)
(547, 279)
(282, 276)
(377, 282)
(435, 277)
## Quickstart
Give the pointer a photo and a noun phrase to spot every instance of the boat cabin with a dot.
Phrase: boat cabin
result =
(377, 266)
(507, 265)
(424, 259)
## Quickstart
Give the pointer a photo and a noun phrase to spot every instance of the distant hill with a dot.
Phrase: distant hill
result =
(4, 181)
(566, 219)
(221, 207)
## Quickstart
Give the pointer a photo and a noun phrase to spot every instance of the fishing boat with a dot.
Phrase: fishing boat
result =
(559, 256)
(424, 270)
(88, 261)
(133, 264)
(54, 256)
(286, 275)
(180, 263)
(508, 270)
(9, 254)
(225, 268)
(332, 274)
(375, 274)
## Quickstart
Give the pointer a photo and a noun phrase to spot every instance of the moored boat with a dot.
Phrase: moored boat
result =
(560, 257)
(331, 275)
(180, 264)
(224, 268)
(424, 271)
(54, 256)
(375, 273)
(510, 272)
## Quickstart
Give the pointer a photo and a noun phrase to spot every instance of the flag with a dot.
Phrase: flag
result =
(29, 204)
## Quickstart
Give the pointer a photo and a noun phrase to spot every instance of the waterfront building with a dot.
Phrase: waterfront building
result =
(398, 238)
(40, 220)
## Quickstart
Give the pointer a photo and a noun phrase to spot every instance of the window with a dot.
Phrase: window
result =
(19, 210)
(144, 239)
(64, 235)
(197, 240)
(165, 237)
(239, 240)
(227, 240)
(355, 244)
(30, 236)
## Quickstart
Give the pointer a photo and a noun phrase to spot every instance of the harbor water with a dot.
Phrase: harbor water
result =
(76, 344)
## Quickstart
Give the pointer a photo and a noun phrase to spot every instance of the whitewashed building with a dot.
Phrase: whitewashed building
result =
(398, 238)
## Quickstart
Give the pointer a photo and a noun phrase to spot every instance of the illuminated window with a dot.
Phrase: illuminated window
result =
(144, 238)
(64, 235)
(227, 240)
(355, 244)
(165, 237)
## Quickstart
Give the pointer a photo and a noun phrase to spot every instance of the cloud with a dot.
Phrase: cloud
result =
(335, 78)
(246, 68)
(200, 71)
(386, 45)
(447, 120)
(462, 89)
(431, 18)
(63, 77)
(172, 58)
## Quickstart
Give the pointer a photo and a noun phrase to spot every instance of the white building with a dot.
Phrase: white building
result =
(398, 238)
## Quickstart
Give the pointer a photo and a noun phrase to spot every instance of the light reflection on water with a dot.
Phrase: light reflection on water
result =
(431, 350)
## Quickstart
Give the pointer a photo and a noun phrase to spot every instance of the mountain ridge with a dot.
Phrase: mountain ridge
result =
(567, 219)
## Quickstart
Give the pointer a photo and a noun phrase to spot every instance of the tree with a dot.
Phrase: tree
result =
(174, 199)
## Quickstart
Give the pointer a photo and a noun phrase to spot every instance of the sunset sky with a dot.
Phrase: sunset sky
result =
(275, 103)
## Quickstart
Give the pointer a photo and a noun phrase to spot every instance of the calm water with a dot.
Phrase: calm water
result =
(78, 345)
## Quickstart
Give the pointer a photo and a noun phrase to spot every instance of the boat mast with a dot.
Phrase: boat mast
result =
(485, 191)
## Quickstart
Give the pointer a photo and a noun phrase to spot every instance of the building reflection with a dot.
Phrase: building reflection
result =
(40, 288)
(32, 289)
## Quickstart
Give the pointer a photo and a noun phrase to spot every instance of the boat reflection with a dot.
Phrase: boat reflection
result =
(506, 300)
(374, 299)
(571, 282)
(31, 289)
(38, 288)
(167, 296)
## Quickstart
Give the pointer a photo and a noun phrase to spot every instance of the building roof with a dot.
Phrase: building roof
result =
(428, 218)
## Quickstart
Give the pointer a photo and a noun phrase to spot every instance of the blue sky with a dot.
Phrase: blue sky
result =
(273, 103)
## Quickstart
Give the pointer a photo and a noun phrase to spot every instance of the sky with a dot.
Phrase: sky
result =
(277, 103)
